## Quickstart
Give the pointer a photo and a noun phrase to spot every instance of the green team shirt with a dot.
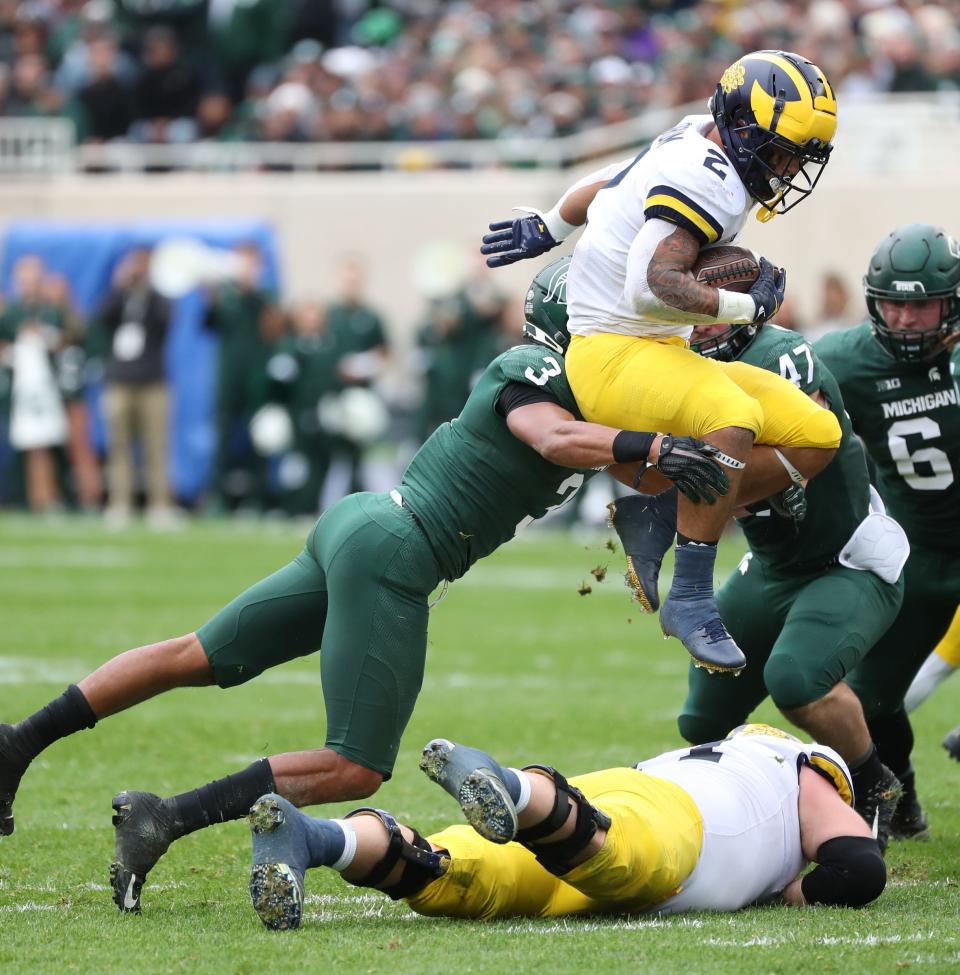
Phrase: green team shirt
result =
(908, 414)
(473, 483)
(838, 497)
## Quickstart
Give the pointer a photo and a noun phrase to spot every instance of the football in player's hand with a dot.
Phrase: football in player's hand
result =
(729, 267)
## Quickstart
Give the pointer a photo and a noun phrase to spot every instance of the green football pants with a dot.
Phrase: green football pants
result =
(357, 593)
(801, 634)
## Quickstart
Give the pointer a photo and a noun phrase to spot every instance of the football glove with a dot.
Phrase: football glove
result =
(790, 503)
(693, 466)
(517, 239)
(767, 291)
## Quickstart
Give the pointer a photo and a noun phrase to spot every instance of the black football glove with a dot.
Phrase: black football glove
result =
(767, 291)
(790, 503)
(692, 465)
(516, 240)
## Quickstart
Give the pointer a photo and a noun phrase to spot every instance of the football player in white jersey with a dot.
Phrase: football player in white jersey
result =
(716, 827)
(633, 300)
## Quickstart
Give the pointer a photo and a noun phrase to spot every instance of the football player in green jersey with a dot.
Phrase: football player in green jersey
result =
(812, 595)
(895, 376)
(359, 592)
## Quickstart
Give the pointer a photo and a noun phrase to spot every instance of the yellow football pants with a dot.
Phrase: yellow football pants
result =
(652, 846)
(660, 385)
(949, 647)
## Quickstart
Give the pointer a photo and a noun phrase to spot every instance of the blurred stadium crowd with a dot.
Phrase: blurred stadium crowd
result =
(302, 389)
(171, 71)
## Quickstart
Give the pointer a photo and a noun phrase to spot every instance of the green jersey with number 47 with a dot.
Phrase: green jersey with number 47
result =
(838, 497)
(908, 414)
(473, 483)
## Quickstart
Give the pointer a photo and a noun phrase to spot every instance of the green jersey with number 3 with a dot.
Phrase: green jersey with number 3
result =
(838, 497)
(473, 483)
(908, 414)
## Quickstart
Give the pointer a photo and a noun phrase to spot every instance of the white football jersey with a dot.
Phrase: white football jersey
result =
(681, 177)
(746, 788)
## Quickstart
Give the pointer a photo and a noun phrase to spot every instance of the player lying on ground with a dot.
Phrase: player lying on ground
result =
(717, 827)
(895, 374)
(633, 299)
(358, 592)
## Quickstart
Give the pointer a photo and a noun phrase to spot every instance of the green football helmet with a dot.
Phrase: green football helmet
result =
(545, 307)
(917, 262)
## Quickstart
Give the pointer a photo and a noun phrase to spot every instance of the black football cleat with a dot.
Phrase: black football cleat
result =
(145, 827)
(12, 766)
(952, 744)
(646, 526)
(878, 806)
(909, 820)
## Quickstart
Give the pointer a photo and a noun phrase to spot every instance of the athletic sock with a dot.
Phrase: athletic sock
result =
(64, 715)
(693, 569)
(867, 771)
(522, 798)
(223, 799)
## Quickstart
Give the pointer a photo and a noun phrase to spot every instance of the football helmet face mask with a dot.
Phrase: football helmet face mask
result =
(917, 262)
(776, 115)
(727, 345)
(545, 307)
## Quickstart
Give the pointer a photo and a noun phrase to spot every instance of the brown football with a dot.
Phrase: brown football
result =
(727, 266)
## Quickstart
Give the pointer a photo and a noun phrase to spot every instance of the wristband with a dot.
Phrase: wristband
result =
(632, 445)
(735, 308)
(558, 227)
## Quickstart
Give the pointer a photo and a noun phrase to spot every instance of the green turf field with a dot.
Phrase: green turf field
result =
(518, 663)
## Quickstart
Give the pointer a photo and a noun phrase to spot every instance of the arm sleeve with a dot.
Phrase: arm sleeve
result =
(516, 394)
(636, 289)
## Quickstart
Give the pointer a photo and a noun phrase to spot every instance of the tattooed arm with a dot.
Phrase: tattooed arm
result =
(659, 283)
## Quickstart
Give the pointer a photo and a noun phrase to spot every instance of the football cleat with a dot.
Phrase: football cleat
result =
(952, 744)
(470, 776)
(145, 827)
(878, 805)
(12, 767)
(646, 527)
(909, 821)
(697, 625)
(280, 859)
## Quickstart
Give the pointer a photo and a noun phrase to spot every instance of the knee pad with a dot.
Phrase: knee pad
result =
(789, 683)
(850, 872)
(421, 864)
(556, 857)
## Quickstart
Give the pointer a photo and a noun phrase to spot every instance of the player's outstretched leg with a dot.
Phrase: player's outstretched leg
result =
(646, 527)
(487, 793)
(952, 744)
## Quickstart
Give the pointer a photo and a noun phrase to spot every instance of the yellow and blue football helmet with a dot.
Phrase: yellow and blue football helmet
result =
(774, 109)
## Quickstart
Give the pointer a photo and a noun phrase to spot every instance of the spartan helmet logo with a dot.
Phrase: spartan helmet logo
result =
(934, 374)
(557, 286)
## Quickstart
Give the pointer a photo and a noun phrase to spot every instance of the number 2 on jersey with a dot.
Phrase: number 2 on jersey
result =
(540, 378)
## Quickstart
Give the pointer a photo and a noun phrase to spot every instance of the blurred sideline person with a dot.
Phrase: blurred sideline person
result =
(821, 583)
(136, 319)
(361, 343)
(717, 827)
(894, 372)
(634, 301)
(359, 592)
(240, 312)
(32, 330)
